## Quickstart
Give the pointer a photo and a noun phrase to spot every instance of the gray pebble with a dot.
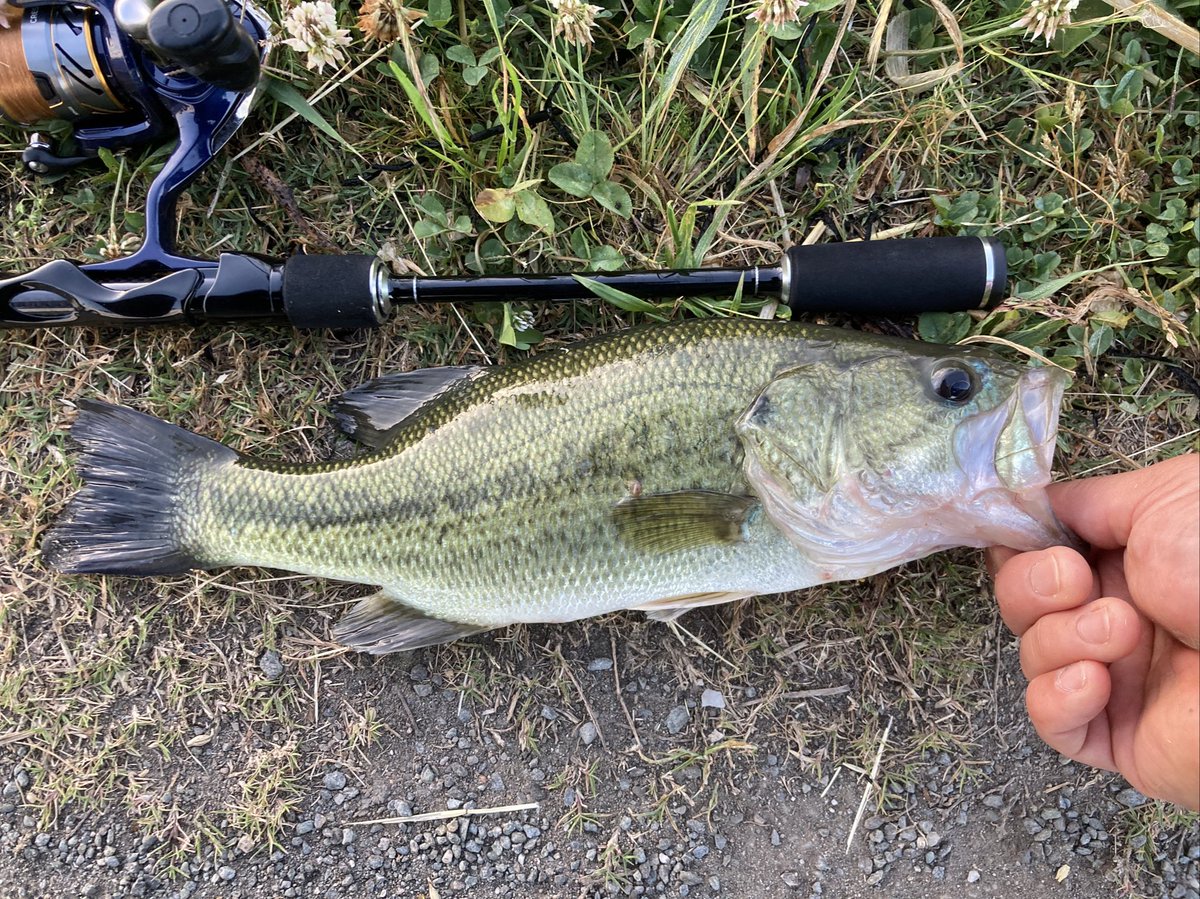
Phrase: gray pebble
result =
(972, 876)
(226, 873)
(1130, 797)
(995, 800)
(587, 733)
(334, 781)
(271, 665)
(599, 665)
(712, 699)
(677, 719)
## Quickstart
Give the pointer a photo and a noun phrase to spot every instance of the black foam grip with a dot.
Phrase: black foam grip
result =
(331, 292)
(897, 277)
(203, 38)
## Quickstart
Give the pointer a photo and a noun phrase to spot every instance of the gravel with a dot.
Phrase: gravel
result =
(271, 665)
(677, 719)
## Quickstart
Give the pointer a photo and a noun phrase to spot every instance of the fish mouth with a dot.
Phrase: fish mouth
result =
(1007, 454)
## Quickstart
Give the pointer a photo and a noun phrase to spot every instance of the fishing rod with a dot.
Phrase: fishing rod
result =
(128, 72)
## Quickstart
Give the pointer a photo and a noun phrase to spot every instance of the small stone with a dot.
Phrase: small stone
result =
(226, 873)
(245, 844)
(995, 800)
(304, 827)
(600, 665)
(1130, 797)
(549, 714)
(790, 879)
(587, 733)
(334, 781)
(348, 836)
(972, 876)
(712, 699)
(677, 719)
(932, 839)
(271, 665)
(775, 838)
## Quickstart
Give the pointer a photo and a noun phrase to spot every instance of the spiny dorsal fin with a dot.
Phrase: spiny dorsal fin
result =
(671, 607)
(685, 519)
(381, 623)
(371, 412)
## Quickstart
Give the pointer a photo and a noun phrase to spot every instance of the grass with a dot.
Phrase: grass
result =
(730, 144)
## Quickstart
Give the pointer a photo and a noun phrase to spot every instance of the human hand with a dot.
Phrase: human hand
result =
(1111, 643)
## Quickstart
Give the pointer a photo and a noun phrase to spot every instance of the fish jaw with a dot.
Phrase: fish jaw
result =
(851, 520)
(1006, 455)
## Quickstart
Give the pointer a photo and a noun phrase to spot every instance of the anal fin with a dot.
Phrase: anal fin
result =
(381, 624)
(668, 608)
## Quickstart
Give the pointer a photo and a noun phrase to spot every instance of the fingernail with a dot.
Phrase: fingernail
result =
(1043, 576)
(1072, 679)
(1094, 625)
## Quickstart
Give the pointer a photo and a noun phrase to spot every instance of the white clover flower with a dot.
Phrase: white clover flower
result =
(1045, 17)
(522, 320)
(574, 20)
(314, 31)
(777, 13)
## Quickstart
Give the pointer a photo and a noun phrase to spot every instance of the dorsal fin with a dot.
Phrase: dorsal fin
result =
(380, 623)
(684, 519)
(371, 412)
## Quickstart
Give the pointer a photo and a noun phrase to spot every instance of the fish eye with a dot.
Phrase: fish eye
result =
(953, 382)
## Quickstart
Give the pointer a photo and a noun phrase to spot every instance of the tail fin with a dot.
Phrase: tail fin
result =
(125, 519)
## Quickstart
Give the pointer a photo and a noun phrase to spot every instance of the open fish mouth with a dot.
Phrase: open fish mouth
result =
(1007, 454)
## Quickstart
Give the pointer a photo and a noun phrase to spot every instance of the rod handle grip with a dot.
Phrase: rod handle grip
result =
(329, 291)
(896, 277)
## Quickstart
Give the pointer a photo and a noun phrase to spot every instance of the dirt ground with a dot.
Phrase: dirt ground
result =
(756, 799)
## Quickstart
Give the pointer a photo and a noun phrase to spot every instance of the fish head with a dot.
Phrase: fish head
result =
(881, 455)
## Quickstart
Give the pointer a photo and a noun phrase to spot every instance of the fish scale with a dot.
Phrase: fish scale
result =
(652, 468)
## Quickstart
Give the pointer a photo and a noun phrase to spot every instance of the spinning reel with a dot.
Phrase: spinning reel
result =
(122, 73)
(128, 72)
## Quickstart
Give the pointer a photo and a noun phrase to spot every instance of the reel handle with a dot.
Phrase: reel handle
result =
(206, 41)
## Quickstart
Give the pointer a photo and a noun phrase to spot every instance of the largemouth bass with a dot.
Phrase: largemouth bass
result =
(658, 469)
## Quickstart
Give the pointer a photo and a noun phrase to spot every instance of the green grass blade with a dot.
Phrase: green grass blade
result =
(284, 93)
(701, 23)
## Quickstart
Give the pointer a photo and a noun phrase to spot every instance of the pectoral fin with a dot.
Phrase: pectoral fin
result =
(371, 412)
(686, 519)
(671, 607)
(381, 624)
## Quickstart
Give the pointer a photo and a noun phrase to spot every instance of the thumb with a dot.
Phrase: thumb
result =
(1104, 510)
